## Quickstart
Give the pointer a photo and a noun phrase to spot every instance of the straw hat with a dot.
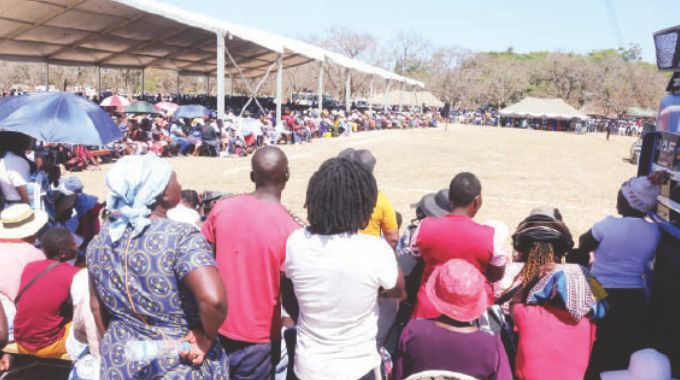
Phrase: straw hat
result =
(20, 221)
(647, 364)
(456, 289)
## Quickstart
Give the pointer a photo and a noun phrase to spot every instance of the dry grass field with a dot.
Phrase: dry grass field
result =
(519, 169)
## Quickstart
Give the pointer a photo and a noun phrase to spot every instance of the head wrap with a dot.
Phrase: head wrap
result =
(135, 182)
(575, 287)
(642, 192)
(70, 185)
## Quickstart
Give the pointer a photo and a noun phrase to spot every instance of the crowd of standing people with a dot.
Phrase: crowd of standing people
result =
(246, 289)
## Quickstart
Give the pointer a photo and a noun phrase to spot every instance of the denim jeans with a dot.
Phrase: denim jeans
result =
(183, 145)
(251, 361)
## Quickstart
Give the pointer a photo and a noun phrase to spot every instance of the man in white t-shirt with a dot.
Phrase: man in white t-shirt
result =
(338, 275)
(15, 172)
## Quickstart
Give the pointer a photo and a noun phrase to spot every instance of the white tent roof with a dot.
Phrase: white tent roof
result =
(406, 98)
(147, 33)
(540, 108)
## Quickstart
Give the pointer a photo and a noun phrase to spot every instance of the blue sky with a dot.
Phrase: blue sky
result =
(491, 25)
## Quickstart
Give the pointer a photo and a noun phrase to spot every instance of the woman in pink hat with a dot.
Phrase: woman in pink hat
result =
(452, 341)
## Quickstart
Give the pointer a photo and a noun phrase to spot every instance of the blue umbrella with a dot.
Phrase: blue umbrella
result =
(58, 117)
(191, 111)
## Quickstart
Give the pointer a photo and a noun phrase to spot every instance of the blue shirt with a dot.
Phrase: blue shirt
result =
(627, 245)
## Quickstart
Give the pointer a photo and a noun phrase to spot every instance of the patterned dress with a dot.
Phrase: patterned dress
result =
(158, 260)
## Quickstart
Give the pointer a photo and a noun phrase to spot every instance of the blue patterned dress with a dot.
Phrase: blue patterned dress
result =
(158, 261)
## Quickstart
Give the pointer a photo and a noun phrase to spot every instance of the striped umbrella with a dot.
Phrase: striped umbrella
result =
(115, 101)
(167, 107)
(142, 107)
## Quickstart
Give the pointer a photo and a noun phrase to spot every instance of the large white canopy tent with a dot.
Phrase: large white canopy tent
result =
(148, 33)
(540, 108)
(406, 98)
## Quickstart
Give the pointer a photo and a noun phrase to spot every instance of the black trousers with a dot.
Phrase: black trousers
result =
(620, 333)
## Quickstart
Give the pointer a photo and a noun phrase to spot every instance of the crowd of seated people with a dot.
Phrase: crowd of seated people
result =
(241, 135)
(445, 296)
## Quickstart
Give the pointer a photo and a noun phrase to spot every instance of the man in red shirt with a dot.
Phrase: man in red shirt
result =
(249, 233)
(43, 304)
(457, 236)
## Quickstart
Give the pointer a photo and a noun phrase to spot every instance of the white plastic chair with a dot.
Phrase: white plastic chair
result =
(440, 375)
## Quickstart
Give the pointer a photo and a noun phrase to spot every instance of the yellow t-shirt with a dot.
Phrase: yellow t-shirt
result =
(383, 219)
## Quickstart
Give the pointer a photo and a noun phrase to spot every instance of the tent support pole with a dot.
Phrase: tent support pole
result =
(320, 98)
(253, 96)
(99, 82)
(47, 76)
(249, 88)
(178, 94)
(370, 93)
(415, 99)
(401, 89)
(387, 90)
(207, 85)
(279, 89)
(141, 96)
(348, 92)
(220, 76)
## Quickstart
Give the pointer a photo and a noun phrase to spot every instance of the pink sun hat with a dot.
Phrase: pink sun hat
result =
(456, 289)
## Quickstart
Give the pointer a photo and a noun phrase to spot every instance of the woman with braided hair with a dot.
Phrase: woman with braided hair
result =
(552, 303)
(338, 274)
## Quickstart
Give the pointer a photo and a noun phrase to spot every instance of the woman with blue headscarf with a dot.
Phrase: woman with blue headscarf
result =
(153, 279)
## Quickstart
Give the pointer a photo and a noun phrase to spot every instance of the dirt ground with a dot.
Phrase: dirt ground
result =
(519, 169)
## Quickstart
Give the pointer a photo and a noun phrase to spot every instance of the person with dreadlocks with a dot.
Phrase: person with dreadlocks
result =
(553, 304)
(338, 274)
(383, 223)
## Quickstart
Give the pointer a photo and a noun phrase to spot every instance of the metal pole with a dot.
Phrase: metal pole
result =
(370, 93)
(401, 91)
(207, 85)
(320, 99)
(141, 96)
(220, 76)
(387, 93)
(279, 90)
(47, 76)
(178, 94)
(99, 82)
(415, 100)
(348, 92)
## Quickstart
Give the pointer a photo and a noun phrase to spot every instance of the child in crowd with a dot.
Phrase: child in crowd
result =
(43, 303)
